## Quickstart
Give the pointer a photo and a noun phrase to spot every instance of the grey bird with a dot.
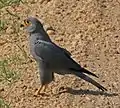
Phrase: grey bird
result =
(52, 58)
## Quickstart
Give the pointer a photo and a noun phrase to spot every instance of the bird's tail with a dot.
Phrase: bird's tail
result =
(90, 80)
(84, 71)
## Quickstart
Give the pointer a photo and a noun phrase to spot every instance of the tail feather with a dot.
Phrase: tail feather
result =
(84, 71)
(90, 80)
(88, 72)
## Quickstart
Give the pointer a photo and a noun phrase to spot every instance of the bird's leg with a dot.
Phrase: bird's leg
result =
(43, 1)
(45, 86)
(39, 90)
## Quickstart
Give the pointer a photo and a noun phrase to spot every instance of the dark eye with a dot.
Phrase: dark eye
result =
(27, 22)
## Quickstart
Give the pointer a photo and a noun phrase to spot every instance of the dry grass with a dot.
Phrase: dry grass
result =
(3, 104)
(9, 72)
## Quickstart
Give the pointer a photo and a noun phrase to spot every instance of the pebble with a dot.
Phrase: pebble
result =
(51, 32)
(87, 98)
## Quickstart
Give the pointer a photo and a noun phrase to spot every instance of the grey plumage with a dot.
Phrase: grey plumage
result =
(52, 58)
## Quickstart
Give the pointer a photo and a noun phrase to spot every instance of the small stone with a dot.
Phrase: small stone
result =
(87, 98)
(2, 89)
(59, 39)
(51, 32)
(9, 30)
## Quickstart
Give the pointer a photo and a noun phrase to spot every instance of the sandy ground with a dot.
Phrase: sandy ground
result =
(90, 30)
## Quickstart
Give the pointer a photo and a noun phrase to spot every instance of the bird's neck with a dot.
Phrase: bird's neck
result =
(40, 36)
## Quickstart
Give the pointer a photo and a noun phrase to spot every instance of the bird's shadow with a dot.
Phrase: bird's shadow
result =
(87, 92)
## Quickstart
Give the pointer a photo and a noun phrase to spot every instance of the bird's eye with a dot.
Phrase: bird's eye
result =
(27, 23)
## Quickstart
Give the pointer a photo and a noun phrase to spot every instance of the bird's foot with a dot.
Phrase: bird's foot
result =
(38, 93)
(41, 91)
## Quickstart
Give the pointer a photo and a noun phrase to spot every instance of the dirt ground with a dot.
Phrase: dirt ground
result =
(90, 30)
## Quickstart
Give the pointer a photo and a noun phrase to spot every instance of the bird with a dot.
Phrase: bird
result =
(51, 58)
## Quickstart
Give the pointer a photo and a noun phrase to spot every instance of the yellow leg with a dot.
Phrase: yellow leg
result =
(44, 0)
(39, 90)
(45, 86)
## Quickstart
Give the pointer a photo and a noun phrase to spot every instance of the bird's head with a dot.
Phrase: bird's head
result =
(32, 24)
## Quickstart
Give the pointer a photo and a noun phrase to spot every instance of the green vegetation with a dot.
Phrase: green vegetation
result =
(6, 73)
(2, 24)
(4, 3)
(10, 65)
(3, 104)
